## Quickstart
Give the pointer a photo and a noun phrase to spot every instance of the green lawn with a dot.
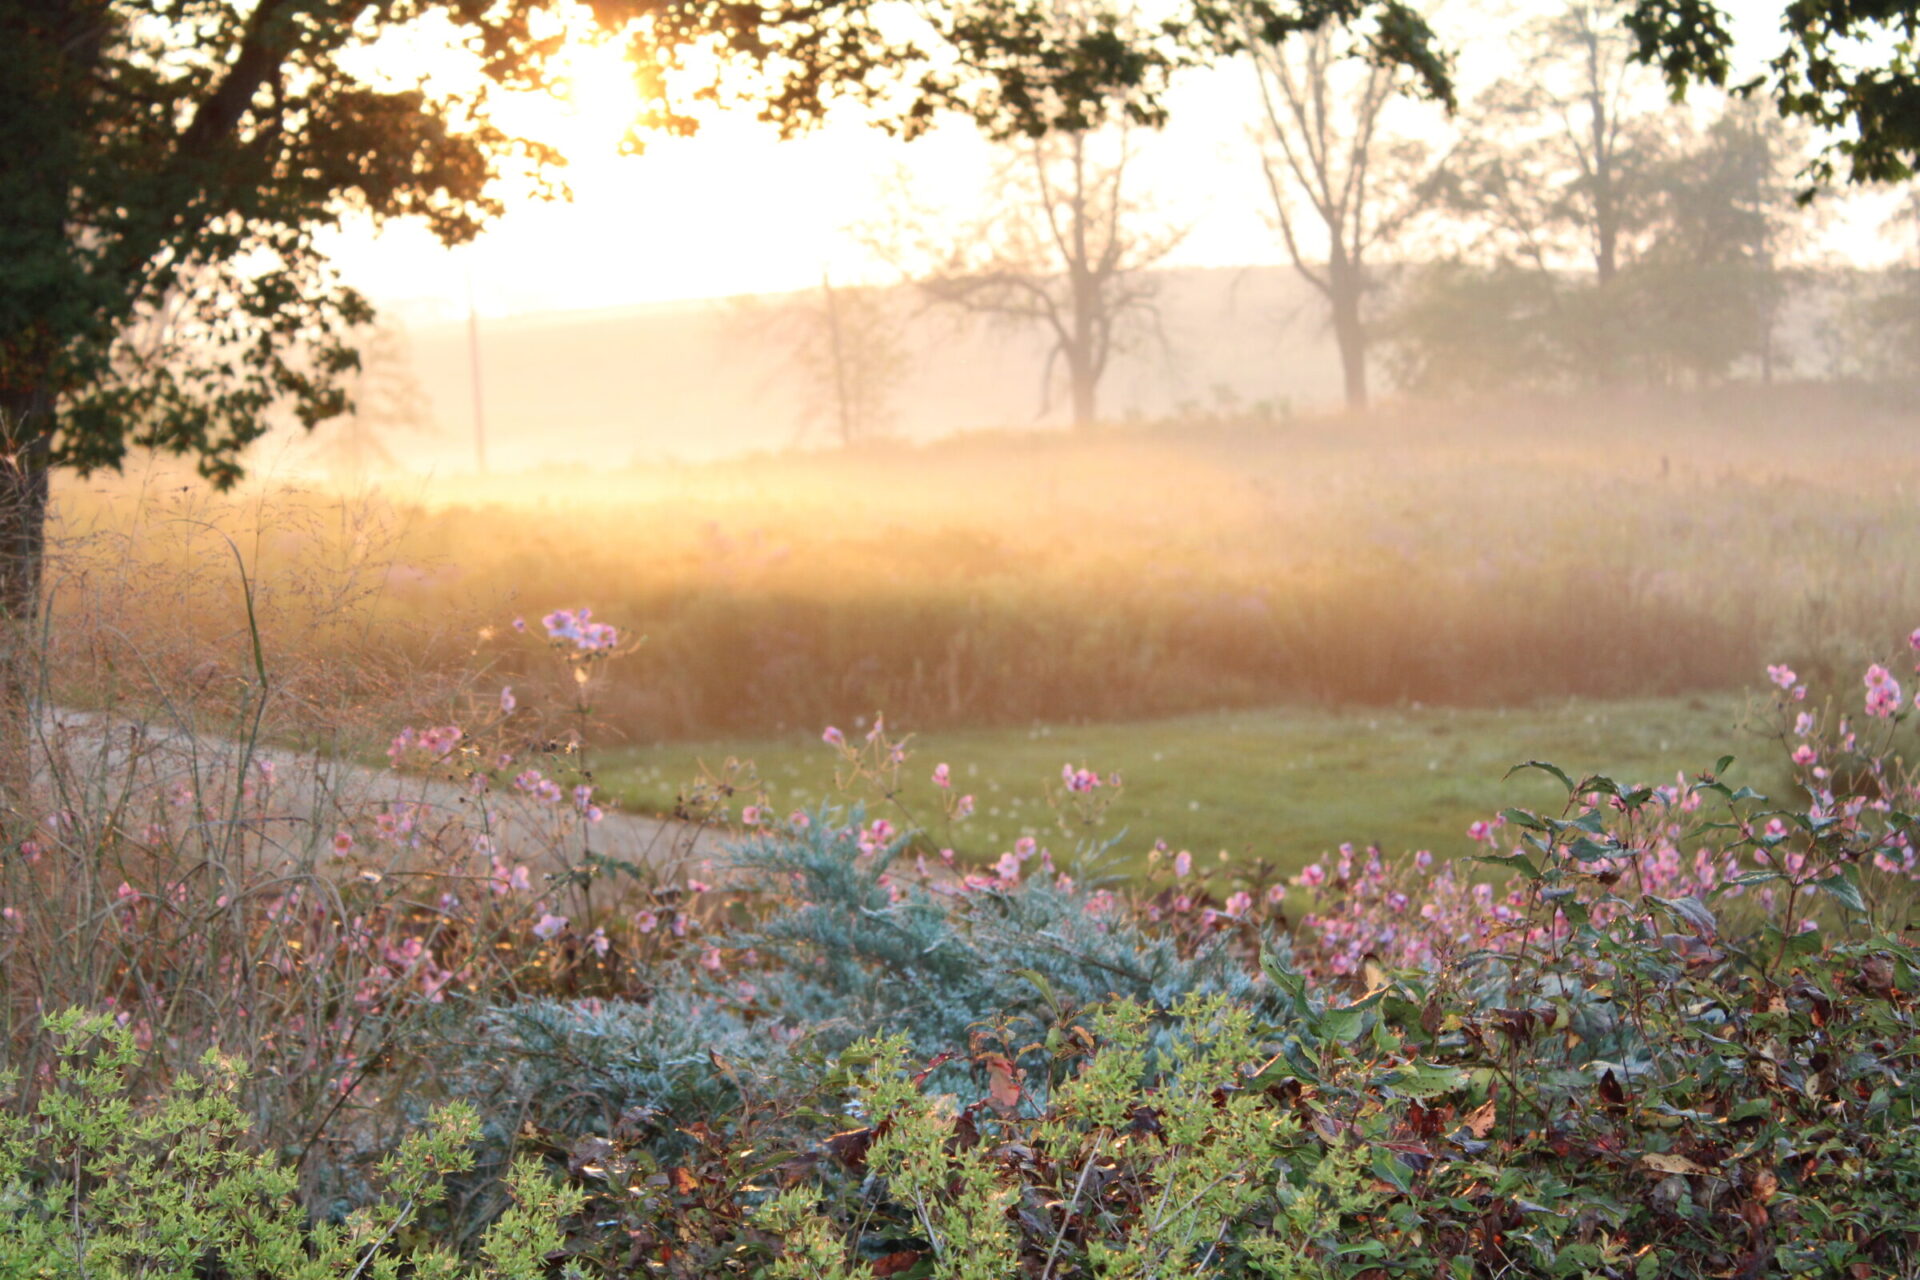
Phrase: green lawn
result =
(1283, 784)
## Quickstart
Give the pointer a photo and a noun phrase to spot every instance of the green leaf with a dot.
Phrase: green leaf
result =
(1426, 1080)
(1517, 861)
(1691, 910)
(1844, 888)
(1286, 979)
(1720, 765)
(1589, 850)
(1389, 1169)
(1521, 818)
(1545, 767)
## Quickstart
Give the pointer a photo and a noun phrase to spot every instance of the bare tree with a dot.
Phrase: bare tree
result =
(1061, 243)
(844, 348)
(387, 397)
(1328, 159)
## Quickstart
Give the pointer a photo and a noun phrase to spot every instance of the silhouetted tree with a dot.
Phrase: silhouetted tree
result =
(1059, 243)
(1331, 162)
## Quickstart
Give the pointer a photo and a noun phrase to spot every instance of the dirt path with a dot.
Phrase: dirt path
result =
(90, 760)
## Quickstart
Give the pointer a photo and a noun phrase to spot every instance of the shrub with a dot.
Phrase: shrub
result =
(92, 1183)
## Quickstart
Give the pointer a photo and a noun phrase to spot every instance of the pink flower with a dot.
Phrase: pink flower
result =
(963, 807)
(698, 886)
(1782, 675)
(1422, 859)
(1239, 904)
(1803, 724)
(1183, 864)
(342, 843)
(799, 820)
(751, 816)
(646, 921)
(1008, 868)
(942, 776)
(1025, 847)
(1803, 755)
(507, 704)
(1883, 692)
(1479, 831)
(710, 959)
(599, 941)
(1276, 894)
(1063, 882)
(1313, 876)
(1913, 640)
(549, 925)
(519, 624)
(833, 737)
(1078, 780)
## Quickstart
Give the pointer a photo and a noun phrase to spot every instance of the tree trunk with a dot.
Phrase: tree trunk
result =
(24, 436)
(1085, 394)
(1344, 289)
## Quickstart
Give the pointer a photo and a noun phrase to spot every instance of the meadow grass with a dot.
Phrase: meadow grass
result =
(1282, 785)
(1468, 555)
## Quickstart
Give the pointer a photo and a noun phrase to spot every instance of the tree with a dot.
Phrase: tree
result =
(386, 396)
(846, 349)
(1846, 66)
(1060, 242)
(1326, 148)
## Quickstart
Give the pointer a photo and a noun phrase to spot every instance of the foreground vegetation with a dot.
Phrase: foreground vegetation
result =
(1655, 1030)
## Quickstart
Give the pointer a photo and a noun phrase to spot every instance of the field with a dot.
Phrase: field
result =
(1512, 555)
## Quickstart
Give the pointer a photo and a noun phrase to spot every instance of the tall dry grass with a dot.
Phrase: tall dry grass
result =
(1468, 554)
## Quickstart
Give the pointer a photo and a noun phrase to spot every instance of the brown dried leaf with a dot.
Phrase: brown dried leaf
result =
(1480, 1120)
(1003, 1083)
(850, 1147)
(1667, 1163)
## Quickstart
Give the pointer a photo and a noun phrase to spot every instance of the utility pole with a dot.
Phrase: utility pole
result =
(473, 371)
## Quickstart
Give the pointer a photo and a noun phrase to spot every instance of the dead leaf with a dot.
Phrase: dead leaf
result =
(683, 1179)
(850, 1148)
(1667, 1163)
(1612, 1097)
(1479, 1121)
(891, 1263)
(1765, 1185)
(1003, 1083)
(590, 1156)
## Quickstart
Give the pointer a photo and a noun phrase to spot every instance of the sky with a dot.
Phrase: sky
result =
(734, 210)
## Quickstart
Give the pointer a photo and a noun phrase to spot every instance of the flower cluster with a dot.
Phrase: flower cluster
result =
(428, 746)
(576, 627)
